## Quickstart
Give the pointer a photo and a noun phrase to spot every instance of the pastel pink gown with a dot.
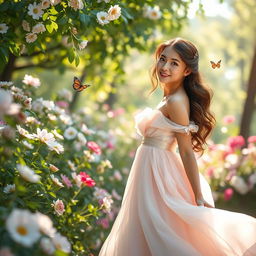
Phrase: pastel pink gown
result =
(159, 215)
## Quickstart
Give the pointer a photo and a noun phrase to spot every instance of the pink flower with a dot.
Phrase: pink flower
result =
(104, 222)
(62, 104)
(66, 181)
(114, 113)
(210, 172)
(94, 147)
(58, 207)
(228, 194)
(252, 139)
(229, 119)
(236, 142)
(2, 122)
(110, 145)
(86, 179)
(132, 153)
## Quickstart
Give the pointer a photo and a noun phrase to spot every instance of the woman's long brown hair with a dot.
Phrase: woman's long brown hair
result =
(199, 94)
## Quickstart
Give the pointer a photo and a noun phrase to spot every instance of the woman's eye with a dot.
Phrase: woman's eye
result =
(175, 63)
(161, 58)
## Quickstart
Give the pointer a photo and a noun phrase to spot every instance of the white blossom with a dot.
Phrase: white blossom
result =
(57, 147)
(102, 17)
(38, 28)
(35, 10)
(239, 184)
(3, 28)
(66, 94)
(44, 136)
(28, 145)
(153, 13)
(70, 133)
(82, 45)
(81, 138)
(107, 202)
(56, 181)
(32, 81)
(55, 2)
(28, 174)
(47, 246)
(114, 12)
(9, 188)
(23, 132)
(45, 224)
(76, 4)
(31, 37)
(61, 243)
(23, 227)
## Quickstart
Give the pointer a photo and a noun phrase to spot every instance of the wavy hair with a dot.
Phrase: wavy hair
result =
(199, 93)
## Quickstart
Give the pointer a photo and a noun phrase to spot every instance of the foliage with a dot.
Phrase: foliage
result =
(67, 29)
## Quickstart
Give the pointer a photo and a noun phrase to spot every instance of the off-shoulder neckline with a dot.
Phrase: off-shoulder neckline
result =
(171, 122)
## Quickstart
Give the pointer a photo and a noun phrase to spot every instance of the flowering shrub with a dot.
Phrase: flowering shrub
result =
(56, 33)
(230, 169)
(52, 172)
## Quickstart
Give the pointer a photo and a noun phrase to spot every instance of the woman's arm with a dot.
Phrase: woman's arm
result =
(178, 114)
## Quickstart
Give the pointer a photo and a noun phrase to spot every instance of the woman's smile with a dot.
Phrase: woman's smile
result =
(164, 74)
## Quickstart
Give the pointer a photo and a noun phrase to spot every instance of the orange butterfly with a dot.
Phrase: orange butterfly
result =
(215, 65)
(78, 86)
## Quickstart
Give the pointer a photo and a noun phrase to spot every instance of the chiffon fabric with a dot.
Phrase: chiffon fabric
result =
(159, 215)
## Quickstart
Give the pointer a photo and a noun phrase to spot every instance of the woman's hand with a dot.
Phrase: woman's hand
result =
(201, 202)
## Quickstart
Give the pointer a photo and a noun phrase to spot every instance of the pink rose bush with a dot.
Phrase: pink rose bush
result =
(230, 168)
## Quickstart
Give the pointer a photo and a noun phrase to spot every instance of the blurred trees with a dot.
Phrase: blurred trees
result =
(68, 26)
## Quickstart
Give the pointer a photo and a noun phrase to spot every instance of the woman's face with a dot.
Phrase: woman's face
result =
(170, 68)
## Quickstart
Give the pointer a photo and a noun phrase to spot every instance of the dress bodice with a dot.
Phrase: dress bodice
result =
(153, 123)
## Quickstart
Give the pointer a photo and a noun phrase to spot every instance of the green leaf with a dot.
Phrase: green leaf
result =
(127, 14)
(77, 60)
(4, 54)
(52, 194)
(71, 55)
(49, 28)
(55, 25)
(53, 18)
(45, 16)
(53, 11)
(85, 19)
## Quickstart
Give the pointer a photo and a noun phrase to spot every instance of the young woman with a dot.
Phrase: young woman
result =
(167, 207)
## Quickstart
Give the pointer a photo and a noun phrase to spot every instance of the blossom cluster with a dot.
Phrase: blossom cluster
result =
(231, 165)
(113, 13)
(27, 228)
(153, 13)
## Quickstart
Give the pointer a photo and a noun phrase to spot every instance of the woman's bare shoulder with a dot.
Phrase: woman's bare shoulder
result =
(180, 97)
(177, 108)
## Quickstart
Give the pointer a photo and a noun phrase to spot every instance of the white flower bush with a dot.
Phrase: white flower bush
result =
(50, 165)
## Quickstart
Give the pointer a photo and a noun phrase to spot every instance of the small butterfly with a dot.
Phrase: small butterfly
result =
(78, 86)
(215, 65)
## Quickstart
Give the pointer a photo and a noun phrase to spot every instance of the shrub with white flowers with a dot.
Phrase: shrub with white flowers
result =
(52, 170)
